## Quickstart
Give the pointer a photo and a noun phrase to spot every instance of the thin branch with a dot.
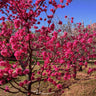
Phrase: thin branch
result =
(9, 91)
(37, 8)
(18, 85)
(6, 14)
(17, 88)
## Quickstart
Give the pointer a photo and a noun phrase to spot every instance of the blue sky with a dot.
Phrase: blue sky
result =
(81, 10)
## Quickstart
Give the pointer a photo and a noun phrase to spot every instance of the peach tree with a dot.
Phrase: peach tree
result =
(42, 58)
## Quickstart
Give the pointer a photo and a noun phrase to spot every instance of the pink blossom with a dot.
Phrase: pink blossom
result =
(17, 54)
(49, 21)
(21, 84)
(2, 82)
(81, 63)
(86, 64)
(50, 16)
(10, 71)
(43, 74)
(6, 88)
(19, 71)
(50, 89)
(56, 69)
(40, 18)
(54, 83)
(3, 63)
(26, 71)
(52, 26)
(50, 80)
(47, 61)
(32, 78)
(14, 66)
(35, 27)
(4, 52)
(58, 45)
(61, 1)
(65, 34)
(89, 40)
(14, 75)
(65, 16)
(17, 23)
(60, 22)
(1, 75)
(14, 46)
(67, 3)
(44, 54)
(38, 63)
(71, 21)
(55, 34)
(59, 86)
(75, 43)
(67, 76)
(61, 61)
(90, 70)
(25, 81)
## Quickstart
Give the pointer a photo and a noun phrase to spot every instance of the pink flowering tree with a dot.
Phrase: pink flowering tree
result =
(28, 48)
(44, 60)
(80, 44)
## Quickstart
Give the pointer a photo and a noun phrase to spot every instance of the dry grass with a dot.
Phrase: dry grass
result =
(86, 86)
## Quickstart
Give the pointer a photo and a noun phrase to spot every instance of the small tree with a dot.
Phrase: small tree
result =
(42, 59)
(27, 48)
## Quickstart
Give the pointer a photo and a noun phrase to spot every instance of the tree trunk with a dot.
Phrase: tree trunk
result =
(74, 75)
(80, 69)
